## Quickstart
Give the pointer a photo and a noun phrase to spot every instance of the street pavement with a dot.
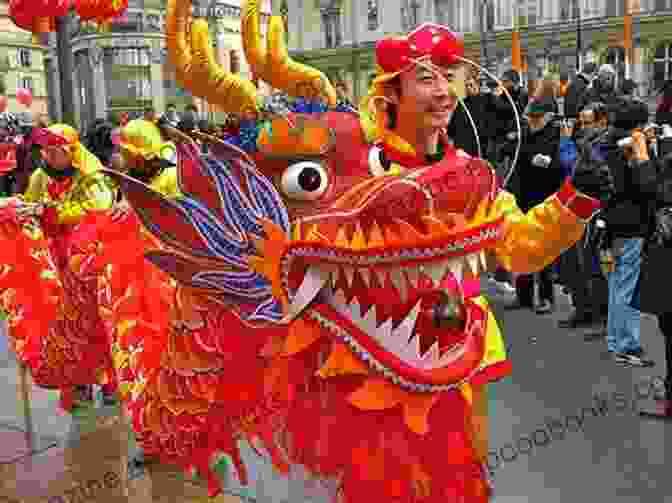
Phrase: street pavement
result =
(563, 428)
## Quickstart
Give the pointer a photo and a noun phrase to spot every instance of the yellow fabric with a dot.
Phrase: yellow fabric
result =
(89, 192)
(495, 350)
(166, 183)
(534, 239)
(142, 138)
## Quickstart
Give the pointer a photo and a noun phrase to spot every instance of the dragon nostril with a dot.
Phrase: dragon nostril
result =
(449, 312)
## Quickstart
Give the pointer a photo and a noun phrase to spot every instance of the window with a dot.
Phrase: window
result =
(662, 65)
(25, 58)
(410, 14)
(331, 21)
(374, 22)
(26, 83)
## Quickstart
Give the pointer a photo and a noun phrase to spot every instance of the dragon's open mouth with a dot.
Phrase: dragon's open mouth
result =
(400, 304)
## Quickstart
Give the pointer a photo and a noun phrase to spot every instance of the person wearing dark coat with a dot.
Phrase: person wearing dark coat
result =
(628, 214)
(575, 97)
(485, 109)
(538, 175)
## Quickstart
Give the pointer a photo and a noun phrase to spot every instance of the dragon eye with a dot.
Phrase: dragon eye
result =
(305, 181)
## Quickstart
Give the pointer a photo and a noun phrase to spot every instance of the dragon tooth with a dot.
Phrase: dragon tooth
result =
(314, 280)
(397, 279)
(413, 275)
(384, 331)
(365, 275)
(411, 353)
(341, 238)
(369, 321)
(472, 263)
(483, 260)
(358, 241)
(405, 328)
(376, 236)
(349, 273)
(431, 357)
(456, 267)
(340, 301)
(380, 276)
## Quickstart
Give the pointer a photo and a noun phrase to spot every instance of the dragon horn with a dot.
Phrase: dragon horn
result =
(273, 65)
(195, 64)
(179, 51)
(232, 93)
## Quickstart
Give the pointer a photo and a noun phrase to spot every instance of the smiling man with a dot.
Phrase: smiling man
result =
(421, 78)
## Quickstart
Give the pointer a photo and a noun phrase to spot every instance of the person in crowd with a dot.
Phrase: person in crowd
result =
(604, 90)
(171, 115)
(664, 106)
(627, 215)
(149, 114)
(576, 95)
(145, 156)
(537, 176)
(98, 140)
(579, 270)
(485, 110)
(505, 125)
(628, 89)
(548, 89)
(191, 114)
(65, 188)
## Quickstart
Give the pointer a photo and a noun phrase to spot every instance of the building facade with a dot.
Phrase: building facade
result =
(338, 36)
(126, 69)
(21, 65)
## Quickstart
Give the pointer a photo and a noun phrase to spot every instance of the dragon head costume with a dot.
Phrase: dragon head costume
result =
(299, 298)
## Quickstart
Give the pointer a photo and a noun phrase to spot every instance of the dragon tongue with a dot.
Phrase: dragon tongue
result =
(312, 283)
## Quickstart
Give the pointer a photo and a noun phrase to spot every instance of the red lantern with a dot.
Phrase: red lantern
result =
(100, 11)
(37, 16)
(3, 104)
(24, 96)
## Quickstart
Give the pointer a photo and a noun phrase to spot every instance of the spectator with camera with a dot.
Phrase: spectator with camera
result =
(627, 215)
(585, 146)
(537, 176)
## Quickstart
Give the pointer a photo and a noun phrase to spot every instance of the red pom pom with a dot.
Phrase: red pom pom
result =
(446, 50)
(392, 54)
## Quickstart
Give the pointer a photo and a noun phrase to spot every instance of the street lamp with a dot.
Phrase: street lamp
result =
(577, 16)
(484, 34)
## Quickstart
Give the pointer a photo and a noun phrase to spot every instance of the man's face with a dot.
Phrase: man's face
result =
(427, 99)
(57, 157)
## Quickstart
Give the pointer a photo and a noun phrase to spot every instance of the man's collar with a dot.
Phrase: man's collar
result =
(397, 150)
